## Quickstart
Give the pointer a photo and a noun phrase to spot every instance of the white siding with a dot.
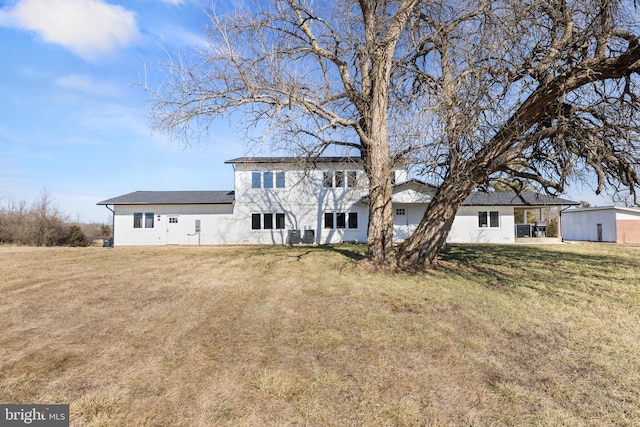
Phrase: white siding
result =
(214, 219)
(465, 228)
(582, 224)
(304, 201)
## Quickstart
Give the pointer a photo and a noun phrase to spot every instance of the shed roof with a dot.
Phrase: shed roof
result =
(173, 198)
(632, 210)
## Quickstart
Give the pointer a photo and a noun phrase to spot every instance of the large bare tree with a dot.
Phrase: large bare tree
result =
(540, 91)
(310, 76)
(470, 91)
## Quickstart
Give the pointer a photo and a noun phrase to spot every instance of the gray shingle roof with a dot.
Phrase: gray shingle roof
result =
(510, 198)
(301, 160)
(172, 198)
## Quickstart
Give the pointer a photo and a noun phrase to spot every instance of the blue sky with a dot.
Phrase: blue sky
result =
(72, 122)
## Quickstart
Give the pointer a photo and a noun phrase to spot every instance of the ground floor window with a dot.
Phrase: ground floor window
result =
(340, 220)
(488, 219)
(266, 221)
(255, 221)
(353, 220)
(137, 220)
(328, 220)
(148, 220)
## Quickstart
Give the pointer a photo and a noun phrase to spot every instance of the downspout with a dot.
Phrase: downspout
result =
(560, 228)
(113, 224)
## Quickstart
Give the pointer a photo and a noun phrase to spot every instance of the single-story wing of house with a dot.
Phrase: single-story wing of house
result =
(284, 200)
(602, 224)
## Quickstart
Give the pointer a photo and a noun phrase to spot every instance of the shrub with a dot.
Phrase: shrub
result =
(77, 237)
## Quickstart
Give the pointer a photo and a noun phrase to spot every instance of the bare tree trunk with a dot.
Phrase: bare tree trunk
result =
(380, 228)
(421, 249)
(378, 161)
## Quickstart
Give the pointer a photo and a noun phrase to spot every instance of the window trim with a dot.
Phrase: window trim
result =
(256, 179)
(327, 179)
(328, 220)
(352, 179)
(144, 220)
(256, 221)
(267, 179)
(137, 220)
(488, 219)
(149, 217)
(267, 221)
(352, 220)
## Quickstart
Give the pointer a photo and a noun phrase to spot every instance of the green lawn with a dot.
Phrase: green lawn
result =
(201, 336)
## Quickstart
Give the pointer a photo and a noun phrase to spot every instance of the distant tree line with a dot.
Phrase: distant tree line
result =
(41, 223)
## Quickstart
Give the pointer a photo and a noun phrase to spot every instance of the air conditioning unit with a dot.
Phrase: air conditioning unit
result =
(309, 236)
(294, 237)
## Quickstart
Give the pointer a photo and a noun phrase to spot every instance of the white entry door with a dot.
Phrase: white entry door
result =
(173, 230)
(401, 228)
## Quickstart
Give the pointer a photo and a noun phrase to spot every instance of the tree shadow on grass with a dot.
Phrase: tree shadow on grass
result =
(351, 251)
(540, 268)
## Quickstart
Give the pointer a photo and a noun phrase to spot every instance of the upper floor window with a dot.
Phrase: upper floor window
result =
(340, 179)
(352, 179)
(266, 180)
(327, 181)
(489, 219)
(256, 179)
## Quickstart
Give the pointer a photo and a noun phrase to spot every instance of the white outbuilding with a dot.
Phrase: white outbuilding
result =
(613, 224)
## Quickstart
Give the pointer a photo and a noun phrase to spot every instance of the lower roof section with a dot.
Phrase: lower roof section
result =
(173, 198)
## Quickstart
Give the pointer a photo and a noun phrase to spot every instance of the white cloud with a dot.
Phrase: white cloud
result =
(89, 85)
(174, 2)
(182, 37)
(89, 28)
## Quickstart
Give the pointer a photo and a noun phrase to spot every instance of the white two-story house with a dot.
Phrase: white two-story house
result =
(284, 200)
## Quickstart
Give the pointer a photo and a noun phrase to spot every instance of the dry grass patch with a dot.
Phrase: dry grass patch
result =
(499, 335)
